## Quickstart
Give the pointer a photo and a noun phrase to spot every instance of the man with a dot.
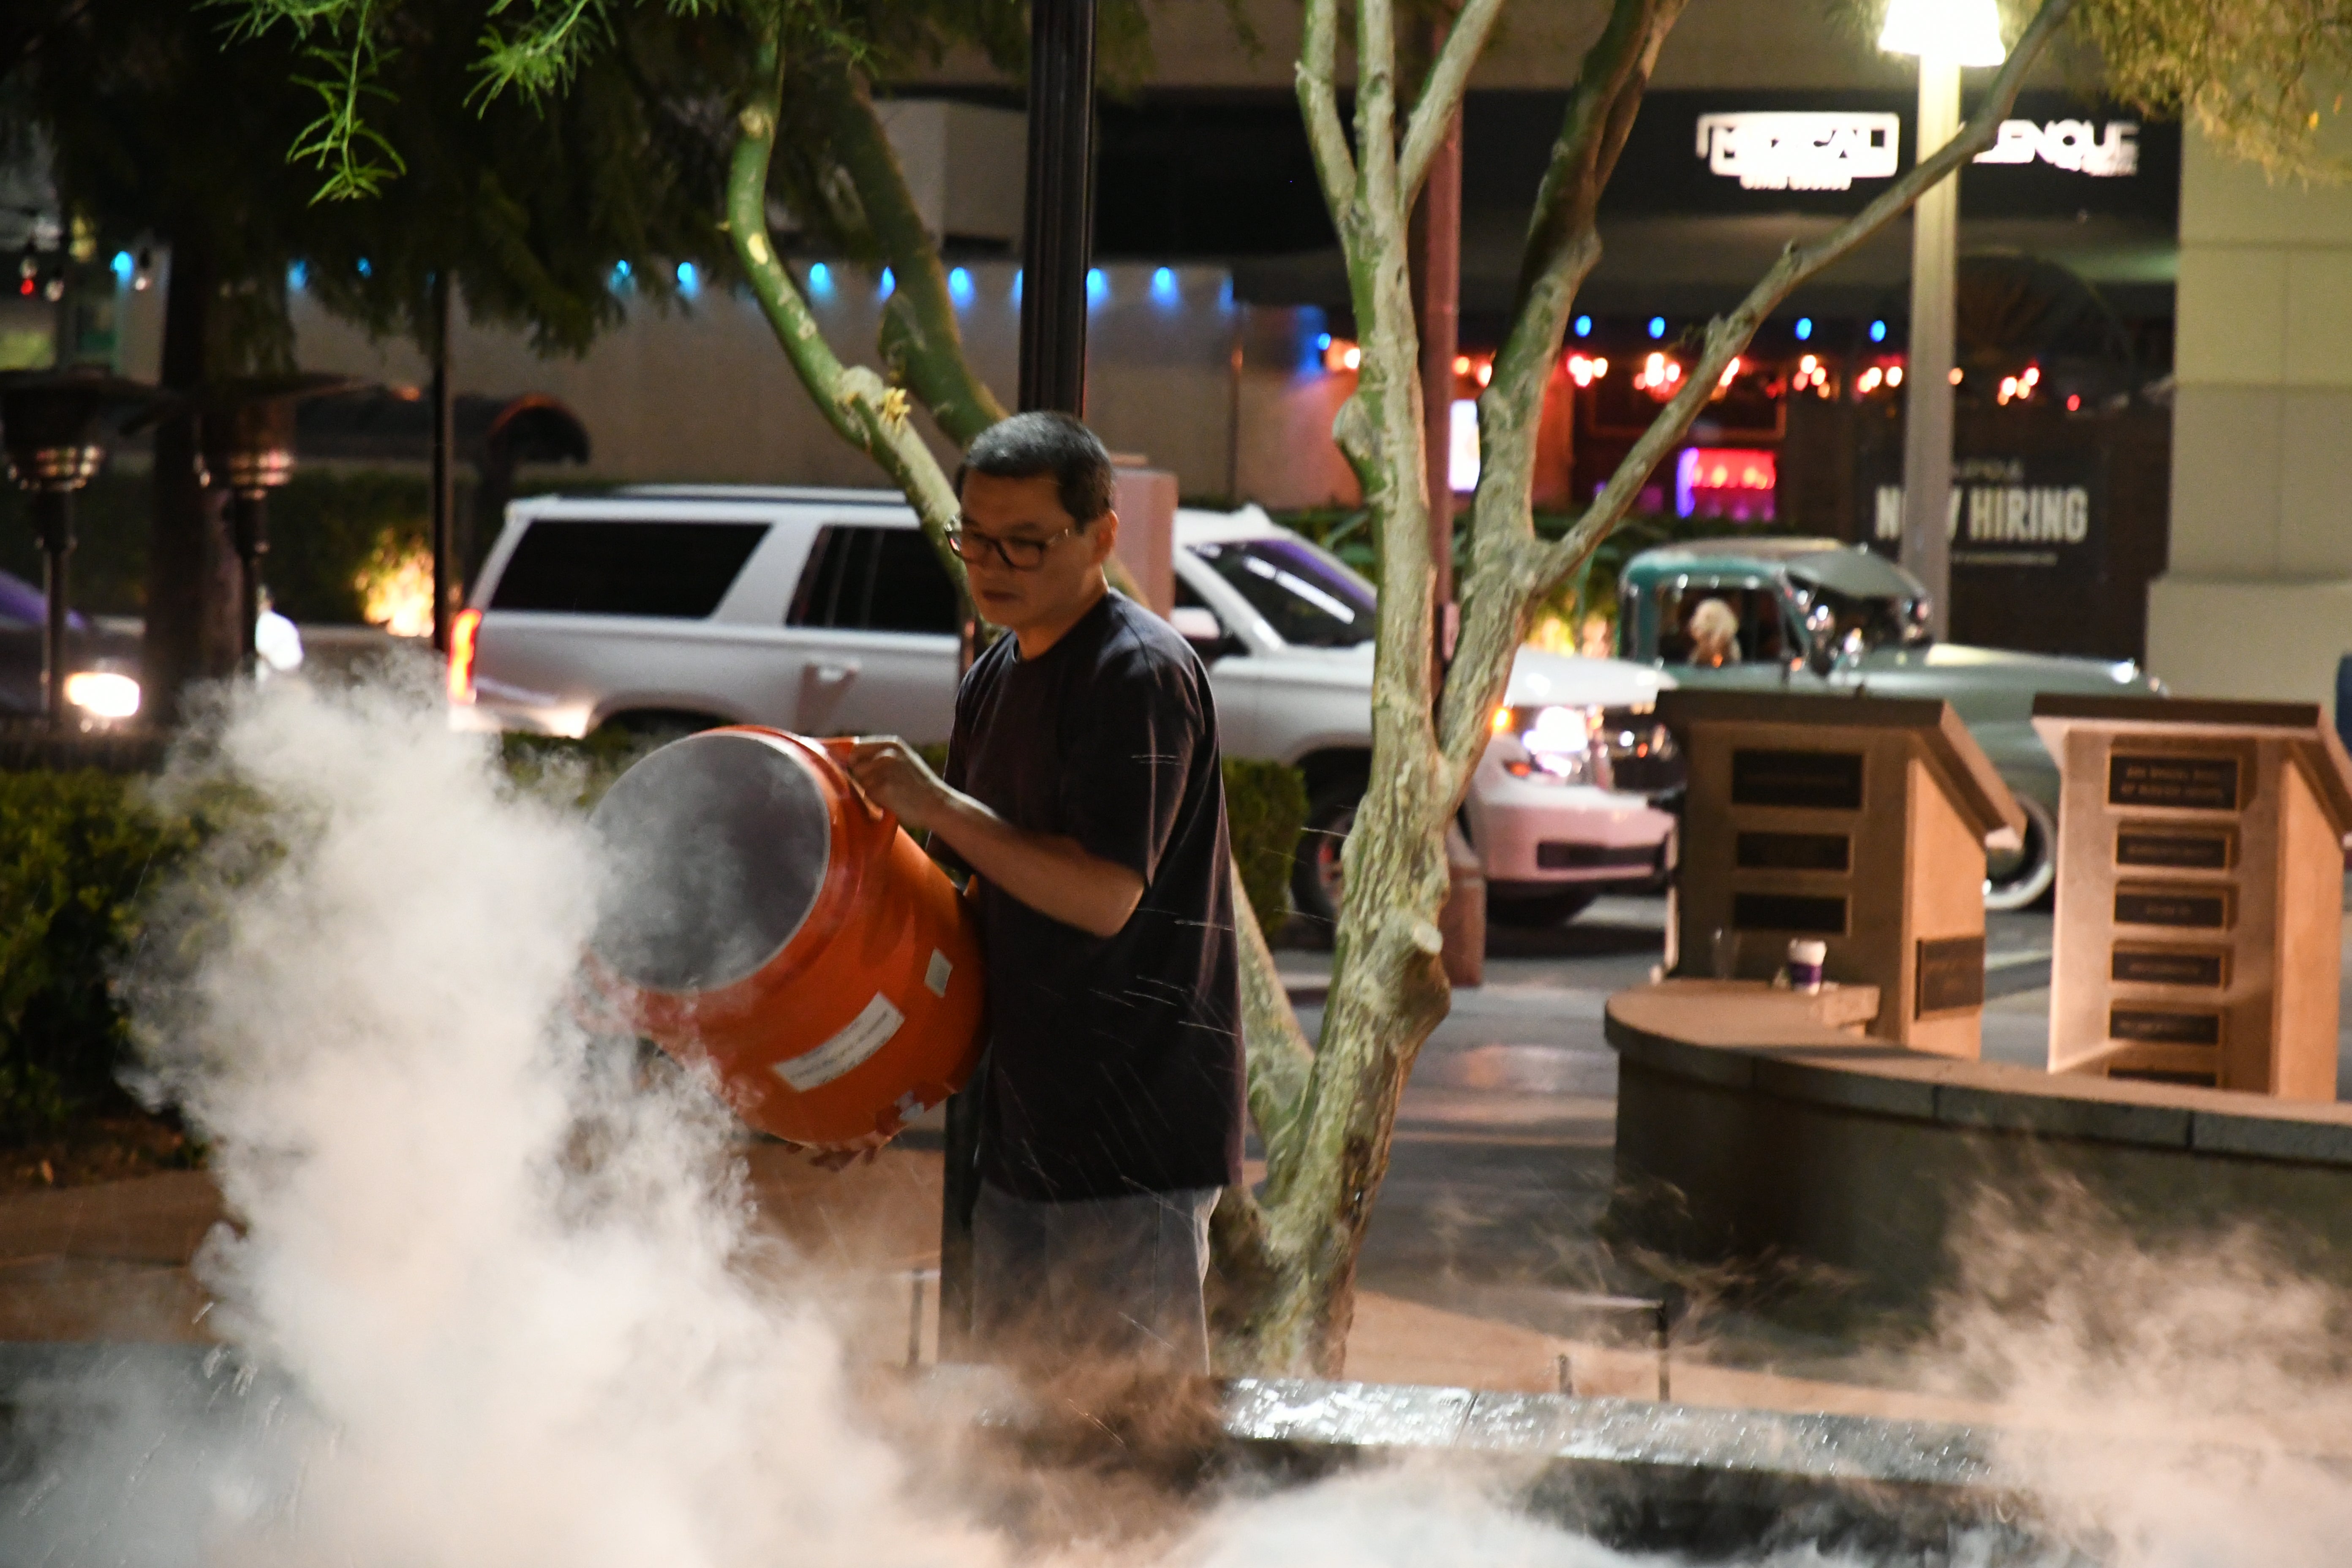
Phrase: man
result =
(1084, 791)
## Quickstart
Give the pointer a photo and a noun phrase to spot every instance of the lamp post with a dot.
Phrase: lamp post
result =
(50, 422)
(1945, 34)
(249, 446)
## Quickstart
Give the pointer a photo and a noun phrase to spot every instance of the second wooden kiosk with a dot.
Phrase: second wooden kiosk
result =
(1857, 821)
(2200, 892)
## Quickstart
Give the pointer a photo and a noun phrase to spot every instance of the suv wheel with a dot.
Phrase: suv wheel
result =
(2015, 879)
(1316, 879)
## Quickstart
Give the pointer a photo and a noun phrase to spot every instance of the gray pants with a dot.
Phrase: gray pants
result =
(1118, 1279)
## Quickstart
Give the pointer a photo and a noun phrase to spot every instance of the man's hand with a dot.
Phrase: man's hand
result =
(896, 779)
(1051, 874)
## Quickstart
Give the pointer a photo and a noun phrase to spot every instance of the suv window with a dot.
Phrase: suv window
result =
(1309, 599)
(1760, 638)
(867, 579)
(676, 570)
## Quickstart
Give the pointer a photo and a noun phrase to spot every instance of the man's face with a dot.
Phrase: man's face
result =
(1053, 593)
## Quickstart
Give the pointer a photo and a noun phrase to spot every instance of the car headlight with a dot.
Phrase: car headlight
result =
(102, 694)
(1558, 742)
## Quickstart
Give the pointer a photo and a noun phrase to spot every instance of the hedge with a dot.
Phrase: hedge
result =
(324, 527)
(77, 850)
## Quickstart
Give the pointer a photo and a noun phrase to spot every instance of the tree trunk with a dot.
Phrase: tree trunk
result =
(190, 630)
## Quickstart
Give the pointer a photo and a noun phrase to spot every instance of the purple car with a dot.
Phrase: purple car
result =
(102, 684)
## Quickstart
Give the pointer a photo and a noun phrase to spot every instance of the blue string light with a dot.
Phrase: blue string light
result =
(889, 285)
(1878, 331)
(1583, 326)
(689, 278)
(821, 280)
(1804, 329)
(1163, 286)
(960, 287)
(124, 266)
(620, 275)
(1322, 342)
(1098, 286)
(1016, 285)
(1657, 327)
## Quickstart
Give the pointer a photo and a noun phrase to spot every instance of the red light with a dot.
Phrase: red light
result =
(462, 633)
(2073, 404)
(26, 286)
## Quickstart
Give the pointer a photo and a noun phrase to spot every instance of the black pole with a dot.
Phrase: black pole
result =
(444, 438)
(1058, 246)
(1057, 229)
(53, 516)
(249, 518)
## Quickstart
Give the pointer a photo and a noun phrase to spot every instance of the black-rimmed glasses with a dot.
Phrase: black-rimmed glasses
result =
(1019, 554)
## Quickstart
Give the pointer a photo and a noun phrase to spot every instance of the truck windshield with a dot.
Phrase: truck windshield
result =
(1864, 623)
(1309, 599)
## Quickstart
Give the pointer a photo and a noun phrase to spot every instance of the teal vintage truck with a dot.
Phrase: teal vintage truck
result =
(1813, 614)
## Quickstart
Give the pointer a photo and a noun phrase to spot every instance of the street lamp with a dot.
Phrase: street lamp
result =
(1945, 34)
(50, 422)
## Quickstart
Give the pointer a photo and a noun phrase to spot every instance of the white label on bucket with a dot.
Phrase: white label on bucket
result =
(867, 1034)
(935, 978)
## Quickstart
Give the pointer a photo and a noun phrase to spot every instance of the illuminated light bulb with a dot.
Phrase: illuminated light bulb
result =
(1486, 374)
(1353, 357)
(1462, 364)
(1894, 375)
(2074, 403)
(1808, 365)
(1870, 380)
(1501, 722)
(1600, 368)
(1730, 371)
(1955, 376)
(2033, 377)
(1955, 32)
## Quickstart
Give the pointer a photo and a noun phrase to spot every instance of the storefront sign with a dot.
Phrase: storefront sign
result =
(2073, 145)
(2006, 511)
(1768, 151)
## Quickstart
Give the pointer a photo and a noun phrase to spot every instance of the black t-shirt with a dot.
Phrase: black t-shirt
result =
(1115, 1063)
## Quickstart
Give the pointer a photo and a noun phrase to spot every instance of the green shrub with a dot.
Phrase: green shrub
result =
(76, 849)
(1265, 808)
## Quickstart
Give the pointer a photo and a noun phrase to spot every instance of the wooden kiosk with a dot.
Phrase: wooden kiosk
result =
(1858, 821)
(2201, 892)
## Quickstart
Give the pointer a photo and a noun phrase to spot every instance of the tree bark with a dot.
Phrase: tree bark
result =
(1294, 1252)
(190, 633)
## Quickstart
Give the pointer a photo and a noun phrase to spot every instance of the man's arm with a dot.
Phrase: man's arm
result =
(1049, 872)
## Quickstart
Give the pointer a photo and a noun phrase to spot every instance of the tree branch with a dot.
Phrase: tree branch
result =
(1449, 78)
(919, 337)
(1561, 249)
(855, 401)
(1727, 336)
(1318, 104)
(1279, 1059)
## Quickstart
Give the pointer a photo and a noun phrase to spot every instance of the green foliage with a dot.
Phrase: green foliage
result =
(1266, 809)
(76, 850)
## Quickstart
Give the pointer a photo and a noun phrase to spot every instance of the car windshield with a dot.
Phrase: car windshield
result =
(1309, 599)
(1864, 623)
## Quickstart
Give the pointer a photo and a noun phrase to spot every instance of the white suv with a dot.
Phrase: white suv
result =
(824, 612)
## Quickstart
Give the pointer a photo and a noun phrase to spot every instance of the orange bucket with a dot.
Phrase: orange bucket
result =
(773, 923)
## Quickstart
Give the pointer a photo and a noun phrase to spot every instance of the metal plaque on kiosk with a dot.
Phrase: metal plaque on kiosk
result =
(2201, 892)
(1859, 821)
